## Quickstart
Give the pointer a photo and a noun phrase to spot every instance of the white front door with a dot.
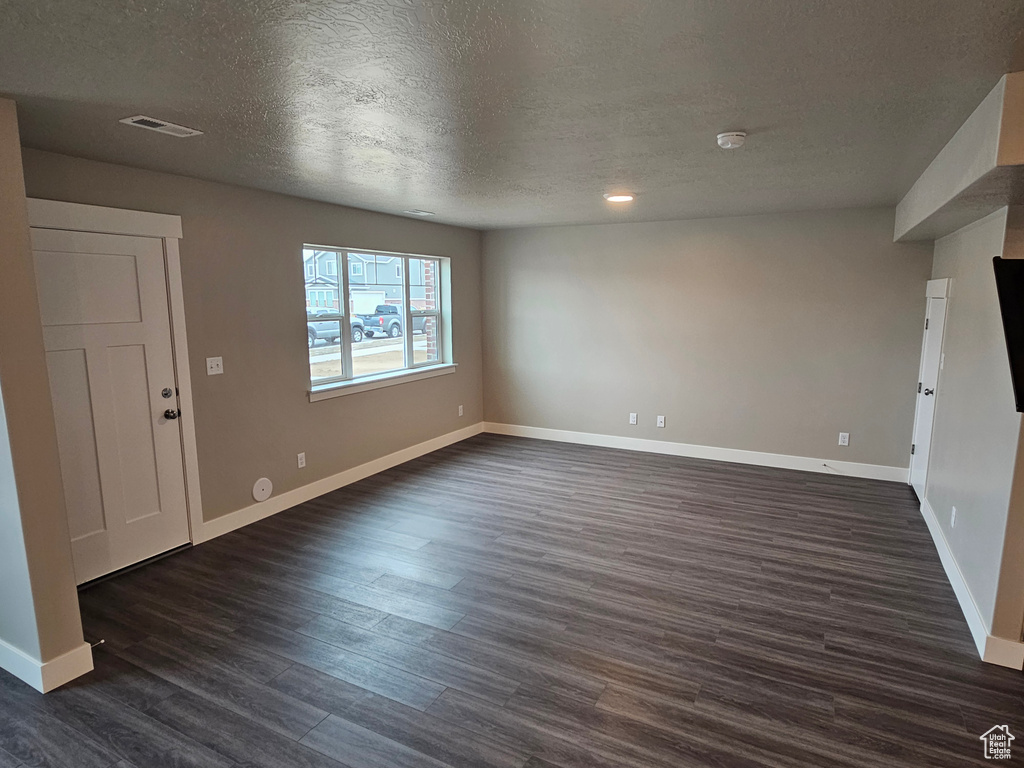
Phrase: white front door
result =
(106, 329)
(928, 383)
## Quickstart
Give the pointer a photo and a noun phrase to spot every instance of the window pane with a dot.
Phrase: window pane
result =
(424, 280)
(425, 340)
(324, 348)
(375, 301)
(323, 313)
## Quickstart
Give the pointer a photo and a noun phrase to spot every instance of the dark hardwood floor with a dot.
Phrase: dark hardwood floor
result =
(506, 603)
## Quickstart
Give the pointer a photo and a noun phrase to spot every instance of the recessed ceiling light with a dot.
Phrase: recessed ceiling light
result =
(732, 139)
(620, 198)
(160, 126)
(418, 212)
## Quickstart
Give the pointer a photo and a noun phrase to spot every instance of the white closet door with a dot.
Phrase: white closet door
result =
(106, 329)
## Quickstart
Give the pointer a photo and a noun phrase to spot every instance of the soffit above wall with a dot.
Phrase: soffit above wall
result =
(979, 171)
(495, 113)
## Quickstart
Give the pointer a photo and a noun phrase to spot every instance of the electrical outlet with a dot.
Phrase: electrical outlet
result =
(302, 460)
(214, 366)
(460, 410)
(952, 518)
(844, 438)
(632, 419)
(661, 421)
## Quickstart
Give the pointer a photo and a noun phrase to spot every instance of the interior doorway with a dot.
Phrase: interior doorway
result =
(928, 382)
(114, 356)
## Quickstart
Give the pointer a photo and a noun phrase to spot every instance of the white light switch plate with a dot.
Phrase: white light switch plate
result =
(214, 366)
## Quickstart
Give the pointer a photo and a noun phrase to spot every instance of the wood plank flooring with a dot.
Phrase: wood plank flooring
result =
(510, 603)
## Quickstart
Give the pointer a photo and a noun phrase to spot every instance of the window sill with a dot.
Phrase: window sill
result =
(341, 388)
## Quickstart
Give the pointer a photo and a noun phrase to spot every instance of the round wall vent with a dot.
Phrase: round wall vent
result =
(262, 490)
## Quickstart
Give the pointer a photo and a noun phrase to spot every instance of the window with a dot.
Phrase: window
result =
(309, 270)
(366, 337)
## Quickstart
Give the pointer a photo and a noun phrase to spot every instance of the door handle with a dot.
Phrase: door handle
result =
(171, 414)
(929, 391)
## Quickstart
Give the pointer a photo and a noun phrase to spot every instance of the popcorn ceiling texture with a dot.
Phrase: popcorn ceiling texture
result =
(498, 113)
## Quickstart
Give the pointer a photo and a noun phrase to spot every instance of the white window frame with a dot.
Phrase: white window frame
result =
(346, 383)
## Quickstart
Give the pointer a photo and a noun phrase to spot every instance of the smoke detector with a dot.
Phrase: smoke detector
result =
(732, 139)
(160, 126)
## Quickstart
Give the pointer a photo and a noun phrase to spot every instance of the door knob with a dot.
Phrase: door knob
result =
(929, 391)
(172, 413)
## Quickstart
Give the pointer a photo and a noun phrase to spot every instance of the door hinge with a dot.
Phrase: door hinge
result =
(919, 387)
(926, 324)
(913, 447)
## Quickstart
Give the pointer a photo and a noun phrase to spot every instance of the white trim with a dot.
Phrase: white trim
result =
(994, 650)
(45, 676)
(407, 331)
(288, 499)
(975, 621)
(54, 214)
(183, 381)
(737, 456)
(1003, 652)
(390, 379)
(937, 289)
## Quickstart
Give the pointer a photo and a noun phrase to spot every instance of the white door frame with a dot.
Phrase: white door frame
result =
(934, 289)
(52, 214)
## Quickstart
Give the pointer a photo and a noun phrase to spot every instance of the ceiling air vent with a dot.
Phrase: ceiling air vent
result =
(161, 126)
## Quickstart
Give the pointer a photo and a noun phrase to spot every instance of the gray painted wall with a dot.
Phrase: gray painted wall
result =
(767, 333)
(974, 439)
(38, 601)
(17, 611)
(243, 282)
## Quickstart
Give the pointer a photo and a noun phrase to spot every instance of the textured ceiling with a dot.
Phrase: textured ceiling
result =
(498, 113)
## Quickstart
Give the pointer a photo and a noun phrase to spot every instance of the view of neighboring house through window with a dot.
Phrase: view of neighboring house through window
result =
(426, 310)
(386, 295)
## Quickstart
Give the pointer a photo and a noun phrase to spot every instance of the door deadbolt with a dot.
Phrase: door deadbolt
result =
(167, 392)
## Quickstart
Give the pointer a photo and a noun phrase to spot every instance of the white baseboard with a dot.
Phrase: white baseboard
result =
(736, 456)
(994, 650)
(45, 676)
(234, 520)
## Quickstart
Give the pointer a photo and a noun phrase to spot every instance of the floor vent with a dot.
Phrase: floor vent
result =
(161, 126)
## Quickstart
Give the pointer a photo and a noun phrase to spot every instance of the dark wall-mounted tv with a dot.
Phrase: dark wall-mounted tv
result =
(1010, 285)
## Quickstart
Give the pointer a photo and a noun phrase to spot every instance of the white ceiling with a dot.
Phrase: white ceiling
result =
(503, 113)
